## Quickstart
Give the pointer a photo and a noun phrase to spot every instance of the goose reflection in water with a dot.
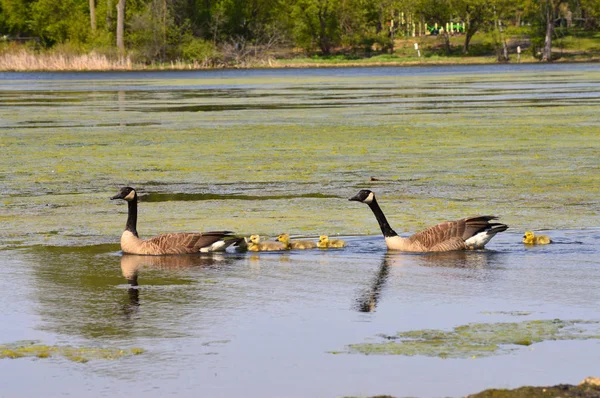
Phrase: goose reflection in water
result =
(367, 301)
(131, 265)
(455, 259)
(369, 298)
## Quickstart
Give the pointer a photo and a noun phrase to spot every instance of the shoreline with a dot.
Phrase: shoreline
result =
(70, 67)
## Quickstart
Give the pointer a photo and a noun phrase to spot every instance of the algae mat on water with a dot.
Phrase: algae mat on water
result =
(257, 155)
(479, 339)
(23, 349)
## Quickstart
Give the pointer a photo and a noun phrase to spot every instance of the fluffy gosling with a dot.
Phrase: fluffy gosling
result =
(325, 242)
(296, 244)
(530, 239)
(255, 245)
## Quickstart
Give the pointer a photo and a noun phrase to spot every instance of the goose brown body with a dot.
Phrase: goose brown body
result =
(173, 243)
(467, 233)
(170, 243)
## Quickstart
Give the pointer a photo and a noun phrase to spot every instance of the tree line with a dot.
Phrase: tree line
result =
(202, 30)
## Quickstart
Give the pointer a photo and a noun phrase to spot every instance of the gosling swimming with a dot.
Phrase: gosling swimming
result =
(296, 244)
(326, 243)
(531, 239)
(255, 245)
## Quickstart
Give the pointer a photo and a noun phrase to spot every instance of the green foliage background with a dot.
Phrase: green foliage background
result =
(225, 30)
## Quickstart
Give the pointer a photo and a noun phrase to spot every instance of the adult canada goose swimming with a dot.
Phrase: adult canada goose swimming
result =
(326, 243)
(531, 239)
(295, 244)
(174, 243)
(468, 233)
(255, 245)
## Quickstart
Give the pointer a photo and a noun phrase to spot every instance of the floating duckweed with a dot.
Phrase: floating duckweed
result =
(512, 313)
(77, 358)
(43, 354)
(479, 339)
(10, 354)
(534, 155)
(84, 354)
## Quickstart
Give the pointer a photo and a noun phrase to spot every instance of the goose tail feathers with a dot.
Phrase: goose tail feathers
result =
(481, 238)
(226, 239)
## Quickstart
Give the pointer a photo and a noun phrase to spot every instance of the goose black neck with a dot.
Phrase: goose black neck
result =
(383, 224)
(132, 216)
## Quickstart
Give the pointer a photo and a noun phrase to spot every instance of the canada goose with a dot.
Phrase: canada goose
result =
(325, 242)
(173, 243)
(242, 245)
(531, 239)
(255, 245)
(468, 233)
(296, 244)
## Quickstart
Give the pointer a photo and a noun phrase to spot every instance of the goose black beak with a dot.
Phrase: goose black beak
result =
(117, 196)
(355, 198)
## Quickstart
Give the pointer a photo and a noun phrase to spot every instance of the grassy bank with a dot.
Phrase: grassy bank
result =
(571, 48)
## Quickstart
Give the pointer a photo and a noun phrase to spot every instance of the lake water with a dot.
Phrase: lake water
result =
(272, 151)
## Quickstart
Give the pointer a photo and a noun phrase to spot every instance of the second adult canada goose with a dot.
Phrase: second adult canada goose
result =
(296, 244)
(468, 233)
(173, 243)
(255, 245)
(531, 239)
(326, 243)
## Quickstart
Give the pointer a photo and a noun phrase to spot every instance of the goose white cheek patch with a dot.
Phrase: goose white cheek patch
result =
(130, 196)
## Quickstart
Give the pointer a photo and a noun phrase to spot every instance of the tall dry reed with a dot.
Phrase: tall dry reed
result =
(24, 60)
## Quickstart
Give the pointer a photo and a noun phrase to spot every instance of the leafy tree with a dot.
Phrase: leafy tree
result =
(14, 15)
(437, 11)
(589, 11)
(60, 21)
(476, 15)
(317, 24)
(543, 13)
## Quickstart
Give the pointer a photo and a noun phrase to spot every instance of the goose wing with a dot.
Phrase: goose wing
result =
(183, 242)
(451, 235)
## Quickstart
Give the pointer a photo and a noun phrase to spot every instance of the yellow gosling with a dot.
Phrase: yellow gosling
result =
(326, 243)
(255, 245)
(296, 244)
(530, 239)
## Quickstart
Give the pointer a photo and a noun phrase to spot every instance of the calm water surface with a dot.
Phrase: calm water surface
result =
(272, 151)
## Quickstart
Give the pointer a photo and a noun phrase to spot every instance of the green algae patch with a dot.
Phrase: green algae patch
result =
(479, 339)
(440, 147)
(511, 313)
(23, 349)
(170, 197)
(582, 390)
